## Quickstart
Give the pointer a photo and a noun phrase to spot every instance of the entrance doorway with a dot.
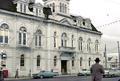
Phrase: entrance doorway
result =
(64, 66)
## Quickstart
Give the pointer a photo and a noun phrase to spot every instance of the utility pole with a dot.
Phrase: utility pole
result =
(105, 55)
(118, 54)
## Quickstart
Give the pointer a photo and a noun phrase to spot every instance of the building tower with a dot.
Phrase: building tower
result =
(58, 6)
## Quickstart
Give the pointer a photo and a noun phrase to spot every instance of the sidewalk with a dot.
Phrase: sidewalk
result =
(23, 78)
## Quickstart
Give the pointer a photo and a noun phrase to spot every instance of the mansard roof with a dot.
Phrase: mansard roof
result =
(7, 5)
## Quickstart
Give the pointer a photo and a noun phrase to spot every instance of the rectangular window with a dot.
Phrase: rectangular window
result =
(20, 36)
(22, 62)
(35, 40)
(39, 40)
(24, 38)
(36, 11)
(24, 8)
(20, 7)
(6, 39)
(54, 41)
(1, 39)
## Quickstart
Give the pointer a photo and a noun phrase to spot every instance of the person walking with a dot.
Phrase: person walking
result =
(97, 71)
(16, 74)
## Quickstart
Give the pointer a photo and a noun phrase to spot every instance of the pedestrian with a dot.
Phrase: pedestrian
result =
(16, 74)
(97, 71)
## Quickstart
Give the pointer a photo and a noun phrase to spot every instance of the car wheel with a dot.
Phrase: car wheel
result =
(41, 76)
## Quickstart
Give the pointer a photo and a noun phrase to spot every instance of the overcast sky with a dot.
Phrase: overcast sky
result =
(105, 15)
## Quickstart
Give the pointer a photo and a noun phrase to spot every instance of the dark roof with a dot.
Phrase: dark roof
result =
(8, 5)
(93, 28)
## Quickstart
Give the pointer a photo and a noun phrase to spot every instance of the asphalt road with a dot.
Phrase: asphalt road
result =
(68, 79)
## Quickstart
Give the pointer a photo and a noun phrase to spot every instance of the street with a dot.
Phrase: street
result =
(68, 79)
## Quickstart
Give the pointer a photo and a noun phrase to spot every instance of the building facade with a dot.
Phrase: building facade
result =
(63, 43)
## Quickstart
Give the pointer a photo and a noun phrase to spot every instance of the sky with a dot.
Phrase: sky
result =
(104, 14)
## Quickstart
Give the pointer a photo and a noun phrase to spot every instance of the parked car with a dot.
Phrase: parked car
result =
(44, 74)
(84, 72)
(112, 73)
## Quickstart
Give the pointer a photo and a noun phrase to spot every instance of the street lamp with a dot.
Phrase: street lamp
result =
(3, 56)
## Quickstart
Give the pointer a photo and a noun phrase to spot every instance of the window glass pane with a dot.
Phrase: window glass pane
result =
(22, 60)
(38, 60)
(39, 40)
(24, 38)
(20, 36)
(1, 39)
(6, 39)
(25, 8)
(36, 40)
(20, 7)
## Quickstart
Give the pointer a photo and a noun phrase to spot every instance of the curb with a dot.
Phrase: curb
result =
(60, 76)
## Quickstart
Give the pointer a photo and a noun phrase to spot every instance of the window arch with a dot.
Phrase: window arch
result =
(55, 60)
(88, 45)
(38, 60)
(80, 43)
(64, 40)
(22, 60)
(38, 36)
(81, 59)
(4, 33)
(96, 46)
(22, 36)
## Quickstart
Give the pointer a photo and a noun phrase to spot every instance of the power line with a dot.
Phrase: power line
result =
(109, 24)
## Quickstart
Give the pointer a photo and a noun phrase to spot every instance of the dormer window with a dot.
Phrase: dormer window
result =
(83, 23)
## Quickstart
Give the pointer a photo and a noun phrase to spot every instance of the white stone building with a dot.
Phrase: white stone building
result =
(64, 43)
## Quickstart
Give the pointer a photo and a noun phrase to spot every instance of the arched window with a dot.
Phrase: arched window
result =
(55, 60)
(89, 61)
(81, 59)
(64, 40)
(4, 33)
(96, 46)
(80, 43)
(38, 60)
(38, 35)
(22, 60)
(54, 39)
(73, 61)
(72, 40)
(88, 45)
(22, 36)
